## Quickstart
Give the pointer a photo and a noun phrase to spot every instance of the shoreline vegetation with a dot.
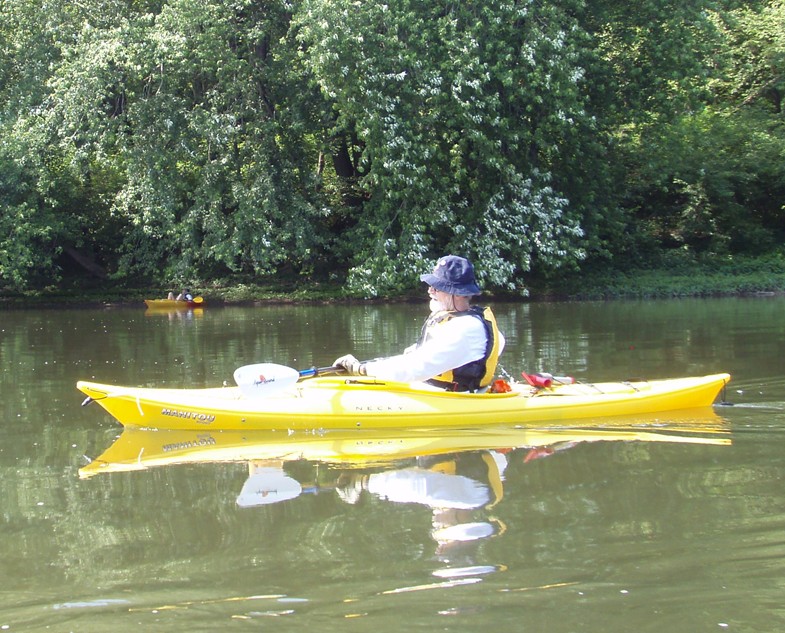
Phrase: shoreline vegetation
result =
(760, 276)
(301, 152)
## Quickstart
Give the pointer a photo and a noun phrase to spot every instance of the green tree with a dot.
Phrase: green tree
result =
(457, 114)
(189, 107)
(710, 178)
(650, 69)
(187, 139)
(36, 189)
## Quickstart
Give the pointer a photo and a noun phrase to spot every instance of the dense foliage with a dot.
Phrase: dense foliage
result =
(168, 141)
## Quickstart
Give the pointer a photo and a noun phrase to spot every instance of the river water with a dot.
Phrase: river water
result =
(674, 523)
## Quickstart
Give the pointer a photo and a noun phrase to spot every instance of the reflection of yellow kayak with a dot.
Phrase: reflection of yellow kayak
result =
(366, 403)
(180, 313)
(138, 449)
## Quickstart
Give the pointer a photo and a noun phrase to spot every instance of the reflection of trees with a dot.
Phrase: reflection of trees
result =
(51, 349)
(182, 521)
(666, 338)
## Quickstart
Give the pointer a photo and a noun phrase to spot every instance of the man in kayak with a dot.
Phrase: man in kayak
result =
(185, 295)
(460, 344)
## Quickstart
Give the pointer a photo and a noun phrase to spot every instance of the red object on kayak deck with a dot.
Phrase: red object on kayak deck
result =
(500, 386)
(544, 380)
(537, 380)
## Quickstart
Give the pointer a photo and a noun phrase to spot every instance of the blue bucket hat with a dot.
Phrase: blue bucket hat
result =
(453, 275)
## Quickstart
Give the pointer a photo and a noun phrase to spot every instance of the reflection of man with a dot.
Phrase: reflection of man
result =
(453, 488)
(267, 483)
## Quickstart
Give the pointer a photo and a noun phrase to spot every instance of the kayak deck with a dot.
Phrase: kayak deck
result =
(353, 403)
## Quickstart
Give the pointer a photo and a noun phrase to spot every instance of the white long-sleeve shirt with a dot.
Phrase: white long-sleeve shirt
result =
(450, 345)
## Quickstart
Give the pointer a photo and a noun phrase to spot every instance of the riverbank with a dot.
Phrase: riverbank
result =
(679, 279)
(682, 279)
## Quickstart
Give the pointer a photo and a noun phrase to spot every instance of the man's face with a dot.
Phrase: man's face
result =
(439, 300)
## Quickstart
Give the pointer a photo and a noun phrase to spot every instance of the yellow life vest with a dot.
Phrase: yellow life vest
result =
(476, 374)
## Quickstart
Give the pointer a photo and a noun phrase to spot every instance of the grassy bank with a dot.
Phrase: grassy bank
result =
(668, 280)
(676, 279)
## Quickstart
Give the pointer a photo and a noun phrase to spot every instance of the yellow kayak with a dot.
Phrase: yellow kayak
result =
(138, 449)
(365, 403)
(173, 304)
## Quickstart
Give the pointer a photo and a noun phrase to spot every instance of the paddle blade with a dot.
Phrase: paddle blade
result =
(265, 379)
(268, 485)
(198, 300)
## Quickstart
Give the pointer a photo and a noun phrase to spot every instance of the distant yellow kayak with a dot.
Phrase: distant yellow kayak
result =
(337, 402)
(173, 304)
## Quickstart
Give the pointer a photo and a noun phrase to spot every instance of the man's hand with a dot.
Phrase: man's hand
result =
(352, 366)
